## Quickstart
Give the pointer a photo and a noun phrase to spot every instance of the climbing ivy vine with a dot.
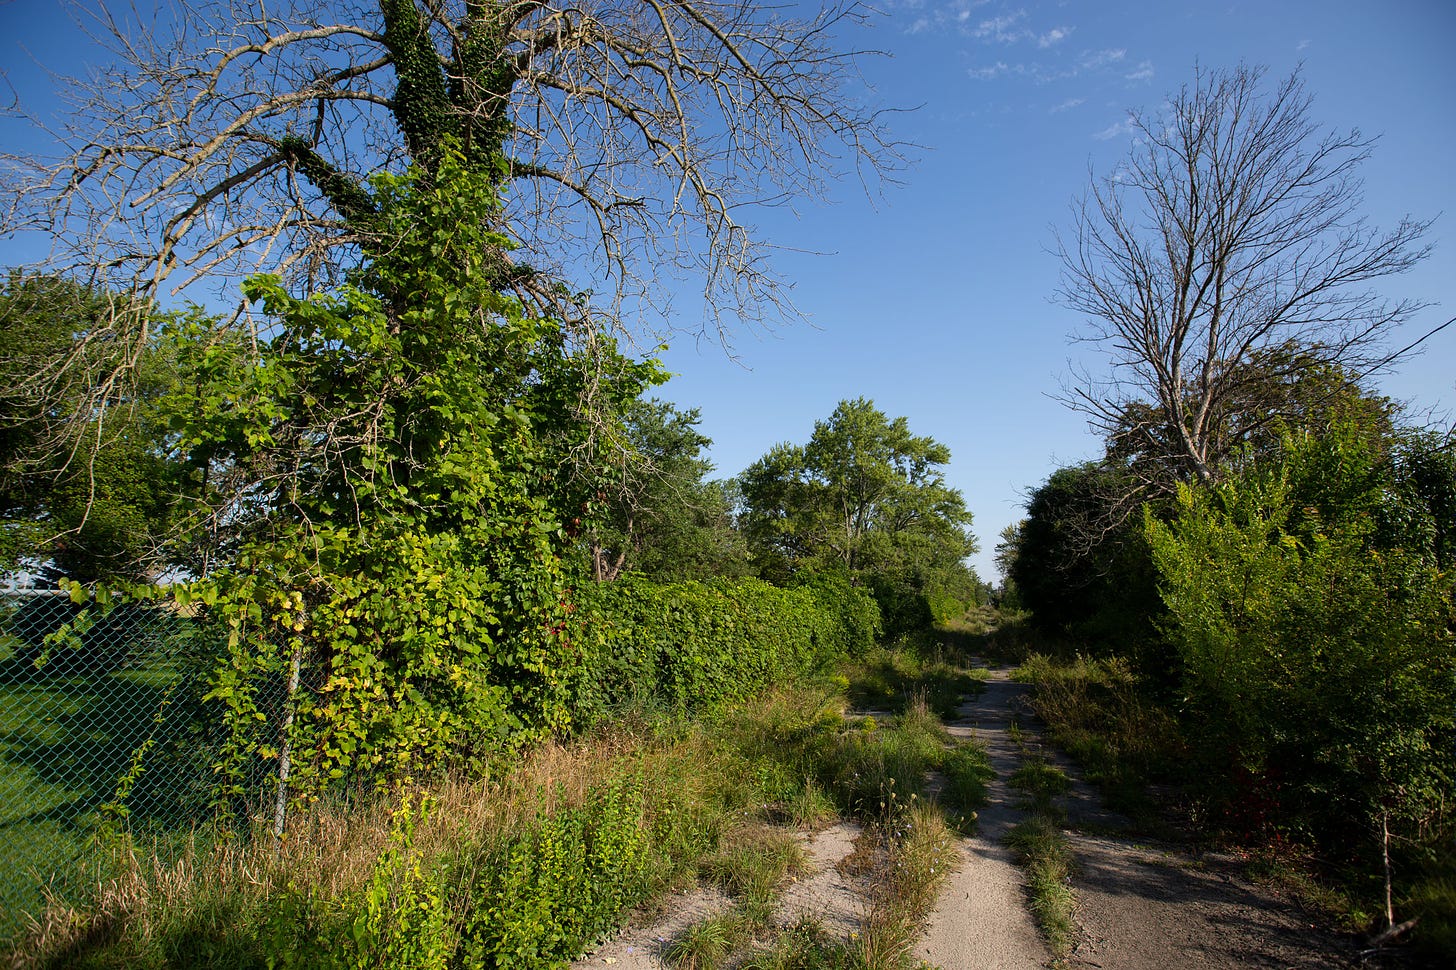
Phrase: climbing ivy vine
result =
(391, 484)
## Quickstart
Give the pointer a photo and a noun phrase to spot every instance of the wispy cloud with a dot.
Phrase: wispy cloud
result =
(1019, 39)
(1115, 130)
(1092, 60)
(1005, 29)
(989, 72)
(1067, 105)
(1302, 45)
(954, 15)
(1143, 72)
(1054, 36)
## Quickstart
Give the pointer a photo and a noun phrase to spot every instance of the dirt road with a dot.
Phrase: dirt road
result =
(982, 920)
(1140, 906)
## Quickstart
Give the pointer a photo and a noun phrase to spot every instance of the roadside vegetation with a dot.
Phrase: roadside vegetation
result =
(529, 868)
(1250, 591)
(1145, 760)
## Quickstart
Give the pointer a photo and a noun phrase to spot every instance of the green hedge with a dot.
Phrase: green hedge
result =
(695, 643)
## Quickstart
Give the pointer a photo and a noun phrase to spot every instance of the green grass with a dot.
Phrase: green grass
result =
(1097, 711)
(910, 855)
(715, 793)
(967, 770)
(1043, 851)
(751, 866)
(70, 731)
(893, 679)
(64, 744)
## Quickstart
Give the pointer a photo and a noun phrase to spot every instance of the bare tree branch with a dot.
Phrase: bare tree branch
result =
(1231, 231)
(236, 136)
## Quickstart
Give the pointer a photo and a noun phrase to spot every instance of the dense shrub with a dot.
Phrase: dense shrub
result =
(696, 643)
(542, 898)
(1316, 638)
(534, 900)
(1081, 565)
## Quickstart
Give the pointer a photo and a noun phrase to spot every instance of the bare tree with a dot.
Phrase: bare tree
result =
(625, 139)
(1221, 259)
(627, 135)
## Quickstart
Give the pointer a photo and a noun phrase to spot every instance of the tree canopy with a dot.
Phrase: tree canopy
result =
(624, 138)
(657, 513)
(864, 495)
(92, 504)
(623, 142)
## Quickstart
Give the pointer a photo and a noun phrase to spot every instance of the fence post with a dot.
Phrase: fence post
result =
(285, 748)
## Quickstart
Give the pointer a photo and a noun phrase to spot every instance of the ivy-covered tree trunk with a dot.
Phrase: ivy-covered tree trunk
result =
(401, 534)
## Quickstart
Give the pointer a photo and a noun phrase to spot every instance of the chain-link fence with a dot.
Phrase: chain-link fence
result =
(99, 731)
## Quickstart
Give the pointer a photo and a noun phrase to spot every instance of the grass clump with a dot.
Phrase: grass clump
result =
(908, 859)
(896, 679)
(752, 866)
(806, 946)
(1043, 852)
(875, 771)
(967, 771)
(1098, 711)
(707, 944)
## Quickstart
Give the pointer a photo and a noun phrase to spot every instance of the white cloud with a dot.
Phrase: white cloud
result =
(926, 15)
(1054, 36)
(1116, 130)
(1003, 29)
(1091, 60)
(1144, 72)
(1302, 45)
(1068, 105)
(987, 73)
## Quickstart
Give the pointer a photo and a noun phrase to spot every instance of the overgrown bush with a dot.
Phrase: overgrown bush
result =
(696, 643)
(1314, 625)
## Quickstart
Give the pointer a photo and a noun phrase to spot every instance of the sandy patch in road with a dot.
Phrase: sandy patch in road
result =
(833, 898)
(827, 894)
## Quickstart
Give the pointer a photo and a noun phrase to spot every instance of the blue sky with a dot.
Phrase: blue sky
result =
(933, 297)
(935, 301)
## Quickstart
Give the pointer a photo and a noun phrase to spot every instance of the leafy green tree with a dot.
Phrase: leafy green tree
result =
(1008, 550)
(660, 517)
(90, 498)
(1419, 513)
(865, 496)
(1274, 392)
(1080, 565)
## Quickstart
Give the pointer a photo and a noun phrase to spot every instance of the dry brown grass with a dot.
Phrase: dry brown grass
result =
(332, 849)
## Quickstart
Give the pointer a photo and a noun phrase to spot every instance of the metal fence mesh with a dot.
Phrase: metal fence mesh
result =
(101, 730)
